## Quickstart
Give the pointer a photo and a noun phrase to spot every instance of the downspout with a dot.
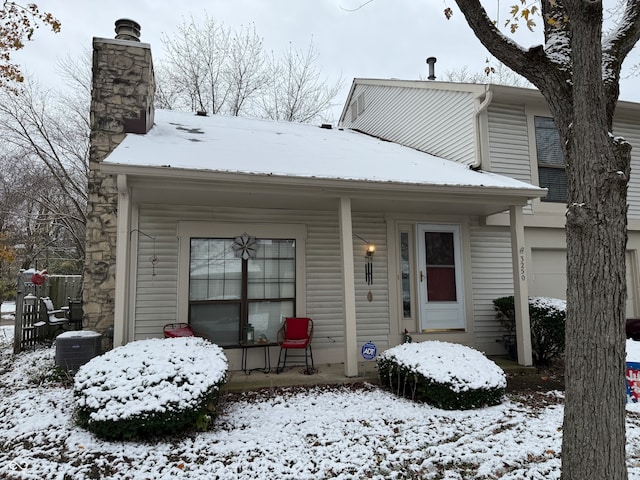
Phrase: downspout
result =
(480, 144)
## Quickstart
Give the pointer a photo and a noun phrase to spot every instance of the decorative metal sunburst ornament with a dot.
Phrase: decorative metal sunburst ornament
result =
(245, 246)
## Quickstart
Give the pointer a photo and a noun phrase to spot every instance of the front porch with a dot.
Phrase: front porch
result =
(333, 374)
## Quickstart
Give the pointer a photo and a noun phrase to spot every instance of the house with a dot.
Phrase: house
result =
(223, 222)
(508, 131)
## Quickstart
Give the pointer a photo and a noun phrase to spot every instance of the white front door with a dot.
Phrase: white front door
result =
(440, 277)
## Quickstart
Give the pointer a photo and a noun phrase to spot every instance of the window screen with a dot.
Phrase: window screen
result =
(551, 165)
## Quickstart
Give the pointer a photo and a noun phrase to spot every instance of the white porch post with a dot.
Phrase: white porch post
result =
(520, 288)
(348, 286)
(123, 244)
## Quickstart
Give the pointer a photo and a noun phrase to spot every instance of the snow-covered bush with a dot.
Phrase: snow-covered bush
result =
(445, 375)
(547, 317)
(150, 387)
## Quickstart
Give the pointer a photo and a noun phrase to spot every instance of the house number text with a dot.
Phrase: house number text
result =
(523, 275)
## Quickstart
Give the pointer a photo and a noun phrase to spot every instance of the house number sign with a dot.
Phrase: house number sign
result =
(523, 275)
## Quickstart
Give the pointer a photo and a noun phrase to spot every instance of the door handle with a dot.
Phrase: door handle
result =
(421, 276)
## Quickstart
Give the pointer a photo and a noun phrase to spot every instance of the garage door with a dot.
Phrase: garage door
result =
(549, 278)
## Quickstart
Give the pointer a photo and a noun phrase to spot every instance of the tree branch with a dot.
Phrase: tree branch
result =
(615, 48)
(533, 64)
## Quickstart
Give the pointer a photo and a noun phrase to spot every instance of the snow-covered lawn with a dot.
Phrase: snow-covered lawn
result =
(330, 432)
(8, 310)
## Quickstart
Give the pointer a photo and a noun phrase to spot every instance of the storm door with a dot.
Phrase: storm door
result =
(440, 278)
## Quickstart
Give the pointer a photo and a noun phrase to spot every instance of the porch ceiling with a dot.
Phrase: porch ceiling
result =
(323, 196)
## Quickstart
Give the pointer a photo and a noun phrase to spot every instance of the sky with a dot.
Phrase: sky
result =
(382, 39)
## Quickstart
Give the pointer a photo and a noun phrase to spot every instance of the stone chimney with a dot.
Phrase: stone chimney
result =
(122, 96)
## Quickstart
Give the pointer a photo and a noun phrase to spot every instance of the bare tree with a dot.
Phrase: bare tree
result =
(193, 74)
(46, 152)
(577, 70)
(247, 73)
(296, 91)
(498, 75)
(209, 67)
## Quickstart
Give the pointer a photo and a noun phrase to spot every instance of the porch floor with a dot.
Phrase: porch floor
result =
(238, 381)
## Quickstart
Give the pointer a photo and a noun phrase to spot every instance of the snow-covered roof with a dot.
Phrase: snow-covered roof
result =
(180, 140)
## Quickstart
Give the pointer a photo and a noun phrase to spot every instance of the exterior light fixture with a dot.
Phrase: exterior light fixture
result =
(368, 266)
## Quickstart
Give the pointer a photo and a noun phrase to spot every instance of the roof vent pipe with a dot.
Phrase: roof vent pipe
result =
(432, 71)
(127, 30)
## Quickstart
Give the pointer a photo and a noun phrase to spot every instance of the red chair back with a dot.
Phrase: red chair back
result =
(296, 328)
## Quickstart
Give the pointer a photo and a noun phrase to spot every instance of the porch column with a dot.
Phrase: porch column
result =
(123, 247)
(520, 288)
(348, 287)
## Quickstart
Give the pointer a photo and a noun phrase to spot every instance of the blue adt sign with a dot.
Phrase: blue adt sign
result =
(369, 351)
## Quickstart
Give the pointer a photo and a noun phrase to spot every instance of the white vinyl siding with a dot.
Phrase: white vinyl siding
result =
(372, 321)
(509, 141)
(631, 133)
(156, 296)
(492, 277)
(439, 122)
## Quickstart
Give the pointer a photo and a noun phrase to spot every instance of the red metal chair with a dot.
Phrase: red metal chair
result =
(173, 330)
(296, 333)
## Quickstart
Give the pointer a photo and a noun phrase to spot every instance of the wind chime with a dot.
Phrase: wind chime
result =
(368, 268)
(153, 259)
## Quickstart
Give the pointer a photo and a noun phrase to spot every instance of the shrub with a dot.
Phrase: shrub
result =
(150, 388)
(547, 318)
(445, 375)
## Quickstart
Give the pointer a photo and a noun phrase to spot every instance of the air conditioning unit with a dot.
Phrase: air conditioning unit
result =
(74, 349)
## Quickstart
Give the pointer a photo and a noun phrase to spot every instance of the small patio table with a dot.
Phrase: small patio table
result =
(267, 358)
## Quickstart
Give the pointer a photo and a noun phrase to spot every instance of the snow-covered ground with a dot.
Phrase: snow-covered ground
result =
(7, 311)
(328, 432)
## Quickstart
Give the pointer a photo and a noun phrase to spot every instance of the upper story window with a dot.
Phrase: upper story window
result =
(551, 166)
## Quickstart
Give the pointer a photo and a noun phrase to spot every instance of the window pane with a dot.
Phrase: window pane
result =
(266, 317)
(271, 274)
(439, 248)
(441, 269)
(441, 284)
(220, 322)
(548, 142)
(551, 172)
(405, 269)
(555, 179)
(215, 273)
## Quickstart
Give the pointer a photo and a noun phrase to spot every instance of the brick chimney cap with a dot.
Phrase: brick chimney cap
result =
(127, 29)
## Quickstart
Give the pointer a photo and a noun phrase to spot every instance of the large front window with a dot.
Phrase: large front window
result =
(229, 292)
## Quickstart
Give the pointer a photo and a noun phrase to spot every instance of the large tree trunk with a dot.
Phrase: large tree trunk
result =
(593, 445)
(581, 86)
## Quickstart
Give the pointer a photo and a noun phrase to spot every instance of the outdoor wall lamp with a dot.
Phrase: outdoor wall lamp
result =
(368, 266)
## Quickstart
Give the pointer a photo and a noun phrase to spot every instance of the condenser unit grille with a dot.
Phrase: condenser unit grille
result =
(74, 349)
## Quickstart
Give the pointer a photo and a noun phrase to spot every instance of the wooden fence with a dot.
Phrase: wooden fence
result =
(31, 327)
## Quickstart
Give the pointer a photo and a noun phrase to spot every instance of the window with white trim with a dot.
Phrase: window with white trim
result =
(551, 165)
(228, 291)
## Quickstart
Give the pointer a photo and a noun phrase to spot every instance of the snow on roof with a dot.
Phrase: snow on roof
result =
(243, 145)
